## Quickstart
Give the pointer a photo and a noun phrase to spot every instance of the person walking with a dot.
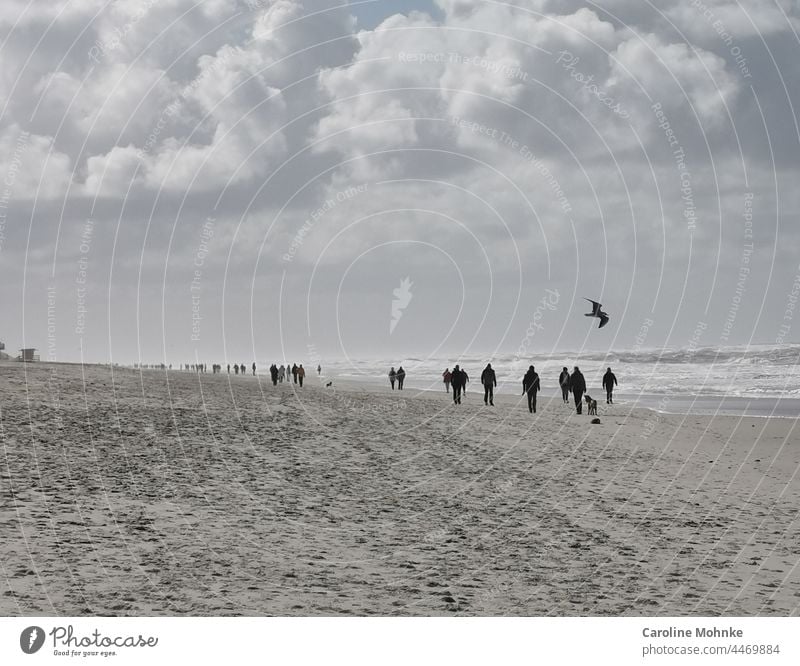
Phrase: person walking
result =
(319, 369)
(577, 384)
(465, 376)
(294, 373)
(254, 368)
(301, 372)
(457, 380)
(401, 376)
(281, 373)
(273, 373)
(609, 382)
(229, 368)
(489, 381)
(563, 382)
(446, 377)
(530, 386)
(392, 377)
(235, 368)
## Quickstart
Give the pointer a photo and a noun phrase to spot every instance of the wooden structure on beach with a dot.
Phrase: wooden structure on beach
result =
(28, 355)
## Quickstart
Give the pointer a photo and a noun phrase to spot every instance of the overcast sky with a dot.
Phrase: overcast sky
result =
(233, 180)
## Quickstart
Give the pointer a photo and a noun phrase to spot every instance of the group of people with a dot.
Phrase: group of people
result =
(298, 373)
(461, 380)
(277, 374)
(574, 383)
(398, 376)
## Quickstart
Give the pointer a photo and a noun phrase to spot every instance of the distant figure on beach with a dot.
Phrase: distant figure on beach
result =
(300, 374)
(294, 372)
(466, 381)
(401, 376)
(530, 385)
(609, 382)
(446, 377)
(229, 368)
(489, 381)
(457, 380)
(577, 384)
(254, 368)
(319, 369)
(243, 369)
(281, 373)
(273, 373)
(392, 377)
(235, 369)
(563, 382)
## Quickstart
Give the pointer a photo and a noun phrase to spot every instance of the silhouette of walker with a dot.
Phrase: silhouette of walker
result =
(530, 387)
(563, 382)
(577, 384)
(489, 381)
(609, 382)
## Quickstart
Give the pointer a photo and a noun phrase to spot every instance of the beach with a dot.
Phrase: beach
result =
(176, 493)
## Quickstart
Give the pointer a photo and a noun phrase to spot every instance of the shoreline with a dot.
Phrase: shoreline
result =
(684, 404)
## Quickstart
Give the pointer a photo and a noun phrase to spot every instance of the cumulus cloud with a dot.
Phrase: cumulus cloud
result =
(523, 139)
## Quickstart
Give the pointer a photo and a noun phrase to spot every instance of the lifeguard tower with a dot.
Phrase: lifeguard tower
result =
(28, 355)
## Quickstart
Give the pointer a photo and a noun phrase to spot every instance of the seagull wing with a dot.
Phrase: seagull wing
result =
(595, 305)
(603, 320)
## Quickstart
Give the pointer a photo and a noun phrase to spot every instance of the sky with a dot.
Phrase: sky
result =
(224, 180)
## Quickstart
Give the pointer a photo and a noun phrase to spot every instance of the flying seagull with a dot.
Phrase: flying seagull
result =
(597, 312)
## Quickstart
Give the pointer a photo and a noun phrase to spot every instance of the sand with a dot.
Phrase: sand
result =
(169, 494)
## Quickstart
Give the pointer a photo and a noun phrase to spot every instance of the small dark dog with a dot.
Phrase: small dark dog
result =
(591, 404)
(328, 384)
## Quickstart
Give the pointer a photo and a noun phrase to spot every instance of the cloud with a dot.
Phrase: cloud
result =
(517, 140)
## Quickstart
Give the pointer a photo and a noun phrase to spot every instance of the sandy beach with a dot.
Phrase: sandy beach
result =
(154, 493)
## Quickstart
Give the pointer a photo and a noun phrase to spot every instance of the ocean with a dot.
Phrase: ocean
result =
(729, 380)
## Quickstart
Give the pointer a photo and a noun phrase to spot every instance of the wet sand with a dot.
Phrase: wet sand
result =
(166, 494)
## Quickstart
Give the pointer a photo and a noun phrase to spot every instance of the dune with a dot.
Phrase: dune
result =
(172, 493)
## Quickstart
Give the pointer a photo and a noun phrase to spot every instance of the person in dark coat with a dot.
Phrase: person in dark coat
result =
(489, 381)
(294, 372)
(563, 382)
(577, 384)
(273, 373)
(401, 375)
(254, 368)
(457, 380)
(236, 368)
(609, 382)
(392, 377)
(530, 386)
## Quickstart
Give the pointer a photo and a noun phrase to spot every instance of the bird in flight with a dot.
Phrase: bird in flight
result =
(597, 312)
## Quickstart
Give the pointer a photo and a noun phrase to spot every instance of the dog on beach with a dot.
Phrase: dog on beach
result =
(591, 404)
(328, 384)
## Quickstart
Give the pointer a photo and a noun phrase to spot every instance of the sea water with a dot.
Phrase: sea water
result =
(755, 371)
